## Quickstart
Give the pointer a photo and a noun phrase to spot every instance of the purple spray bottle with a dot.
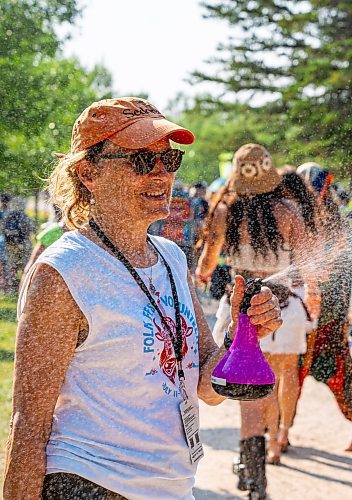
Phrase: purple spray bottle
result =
(244, 373)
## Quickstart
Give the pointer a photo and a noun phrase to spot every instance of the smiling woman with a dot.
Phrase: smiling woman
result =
(107, 361)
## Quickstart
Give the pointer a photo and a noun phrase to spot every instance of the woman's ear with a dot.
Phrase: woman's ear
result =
(85, 172)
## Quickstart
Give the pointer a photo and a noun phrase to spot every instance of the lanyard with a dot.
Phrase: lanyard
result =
(176, 340)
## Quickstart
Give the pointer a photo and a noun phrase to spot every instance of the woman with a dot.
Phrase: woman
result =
(262, 231)
(111, 338)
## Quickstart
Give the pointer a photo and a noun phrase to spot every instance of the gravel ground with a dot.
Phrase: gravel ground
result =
(315, 465)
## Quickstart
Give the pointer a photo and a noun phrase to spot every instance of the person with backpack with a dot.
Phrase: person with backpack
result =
(17, 228)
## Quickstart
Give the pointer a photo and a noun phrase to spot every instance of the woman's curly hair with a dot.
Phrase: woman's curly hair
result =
(67, 190)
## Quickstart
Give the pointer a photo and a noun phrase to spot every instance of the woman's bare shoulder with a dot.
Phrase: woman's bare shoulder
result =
(48, 291)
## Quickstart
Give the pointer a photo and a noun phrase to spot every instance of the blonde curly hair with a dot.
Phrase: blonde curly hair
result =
(67, 190)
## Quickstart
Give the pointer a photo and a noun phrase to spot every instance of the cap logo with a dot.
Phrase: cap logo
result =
(147, 109)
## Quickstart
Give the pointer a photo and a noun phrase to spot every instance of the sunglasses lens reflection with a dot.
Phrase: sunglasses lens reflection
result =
(172, 160)
(144, 162)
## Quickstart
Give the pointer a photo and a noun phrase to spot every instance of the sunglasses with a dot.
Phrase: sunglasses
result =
(144, 161)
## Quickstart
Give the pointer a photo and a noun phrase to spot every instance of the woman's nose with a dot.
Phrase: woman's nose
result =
(159, 168)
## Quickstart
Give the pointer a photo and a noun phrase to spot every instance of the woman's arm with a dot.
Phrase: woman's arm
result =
(264, 312)
(214, 243)
(46, 339)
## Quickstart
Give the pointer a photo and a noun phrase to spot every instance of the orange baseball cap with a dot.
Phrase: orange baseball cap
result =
(128, 122)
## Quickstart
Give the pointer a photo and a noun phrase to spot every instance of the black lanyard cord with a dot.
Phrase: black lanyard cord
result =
(176, 341)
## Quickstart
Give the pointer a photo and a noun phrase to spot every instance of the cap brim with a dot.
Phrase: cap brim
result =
(144, 132)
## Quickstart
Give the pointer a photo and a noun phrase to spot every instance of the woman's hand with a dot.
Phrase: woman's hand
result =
(201, 282)
(264, 311)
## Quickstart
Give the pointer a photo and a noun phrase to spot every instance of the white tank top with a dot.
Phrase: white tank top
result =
(117, 420)
(247, 260)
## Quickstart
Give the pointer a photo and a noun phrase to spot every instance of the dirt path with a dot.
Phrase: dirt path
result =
(316, 467)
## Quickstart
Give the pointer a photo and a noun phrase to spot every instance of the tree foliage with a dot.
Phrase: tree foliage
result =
(290, 59)
(41, 92)
(221, 130)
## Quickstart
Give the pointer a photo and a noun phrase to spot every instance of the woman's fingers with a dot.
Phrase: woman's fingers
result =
(265, 312)
(237, 292)
(265, 317)
(260, 306)
(235, 301)
(269, 328)
(263, 296)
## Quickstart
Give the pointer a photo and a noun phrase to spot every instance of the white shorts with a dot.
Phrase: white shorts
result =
(223, 317)
(290, 338)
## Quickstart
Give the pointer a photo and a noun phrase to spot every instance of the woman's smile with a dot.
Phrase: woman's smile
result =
(159, 194)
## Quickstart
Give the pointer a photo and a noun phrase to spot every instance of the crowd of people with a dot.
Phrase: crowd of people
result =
(109, 311)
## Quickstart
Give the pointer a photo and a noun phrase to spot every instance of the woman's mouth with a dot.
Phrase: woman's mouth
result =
(155, 195)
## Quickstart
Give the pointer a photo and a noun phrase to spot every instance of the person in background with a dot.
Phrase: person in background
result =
(344, 200)
(52, 231)
(179, 226)
(261, 232)
(113, 348)
(200, 207)
(198, 193)
(5, 199)
(18, 229)
(328, 357)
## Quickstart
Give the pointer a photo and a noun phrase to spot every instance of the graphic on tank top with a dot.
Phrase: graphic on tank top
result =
(157, 344)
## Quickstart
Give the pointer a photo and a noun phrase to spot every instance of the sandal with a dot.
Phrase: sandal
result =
(273, 452)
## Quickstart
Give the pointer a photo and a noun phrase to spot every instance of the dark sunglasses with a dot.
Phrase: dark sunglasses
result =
(144, 161)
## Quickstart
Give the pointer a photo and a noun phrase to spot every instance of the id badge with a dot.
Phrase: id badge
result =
(190, 422)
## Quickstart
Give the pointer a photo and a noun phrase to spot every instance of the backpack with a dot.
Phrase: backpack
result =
(16, 227)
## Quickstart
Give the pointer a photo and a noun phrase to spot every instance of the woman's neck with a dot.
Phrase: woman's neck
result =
(131, 240)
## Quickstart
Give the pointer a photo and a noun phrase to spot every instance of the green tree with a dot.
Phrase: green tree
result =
(41, 92)
(291, 59)
(223, 129)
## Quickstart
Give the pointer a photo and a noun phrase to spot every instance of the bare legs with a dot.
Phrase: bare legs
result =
(271, 415)
(280, 407)
(252, 418)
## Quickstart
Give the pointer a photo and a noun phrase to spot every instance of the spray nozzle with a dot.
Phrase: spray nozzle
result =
(253, 286)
